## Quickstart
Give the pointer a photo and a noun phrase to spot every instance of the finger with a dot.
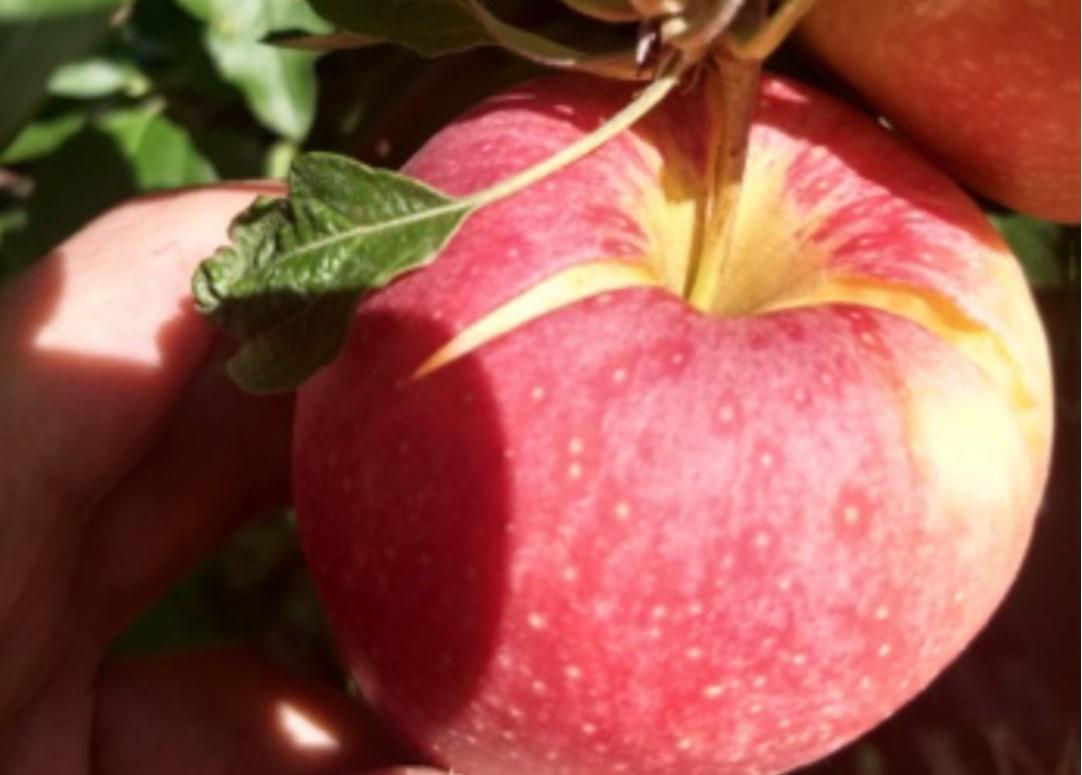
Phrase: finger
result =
(223, 457)
(101, 335)
(99, 340)
(50, 733)
(229, 712)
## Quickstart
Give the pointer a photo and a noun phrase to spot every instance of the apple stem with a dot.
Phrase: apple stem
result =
(650, 97)
(771, 35)
(739, 65)
(739, 90)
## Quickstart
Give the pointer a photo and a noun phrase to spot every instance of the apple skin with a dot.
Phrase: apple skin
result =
(990, 89)
(630, 537)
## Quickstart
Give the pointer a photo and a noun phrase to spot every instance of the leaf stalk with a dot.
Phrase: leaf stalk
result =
(646, 101)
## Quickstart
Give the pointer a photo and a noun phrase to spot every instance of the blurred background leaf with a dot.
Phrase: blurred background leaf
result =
(279, 85)
(37, 36)
(1048, 251)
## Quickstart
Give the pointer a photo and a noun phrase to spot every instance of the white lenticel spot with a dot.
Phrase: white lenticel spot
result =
(726, 414)
(755, 709)
(881, 613)
(677, 359)
(574, 470)
(569, 574)
(728, 561)
(851, 515)
(883, 650)
(867, 338)
(762, 540)
(619, 376)
(695, 609)
(573, 672)
(758, 681)
(622, 511)
(658, 612)
(685, 744)
(825, 378)
(537, 621)
(766, 460)
(538, 687)
(694, 653)
(784, 723)
(800, 659)
(785, 584)
(537, 393)
(575, 446)
(654, 633)
(589, 729)
(713, 691)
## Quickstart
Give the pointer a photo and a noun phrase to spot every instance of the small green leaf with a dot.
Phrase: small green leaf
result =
(92, 78)
(41, 138)
(278, 84)
(287, 286)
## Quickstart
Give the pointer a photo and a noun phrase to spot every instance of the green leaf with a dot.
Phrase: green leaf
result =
(1042, 248)
(546, 50)
(97, 77)
(160, 153)
(429, 27)
(279, 85)
(36, 36)
(42, 138)
(454, 25)
(287, 286)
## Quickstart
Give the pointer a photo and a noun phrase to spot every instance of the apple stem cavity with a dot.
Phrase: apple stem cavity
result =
(738, 93)
(671, 72)
(738, 66)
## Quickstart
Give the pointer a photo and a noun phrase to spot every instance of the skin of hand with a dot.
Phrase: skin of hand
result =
(125, 455)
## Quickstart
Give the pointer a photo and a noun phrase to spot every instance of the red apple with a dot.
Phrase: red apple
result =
(564, 523)
(989, 88)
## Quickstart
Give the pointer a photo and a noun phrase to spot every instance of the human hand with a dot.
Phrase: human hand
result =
(125, 454)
